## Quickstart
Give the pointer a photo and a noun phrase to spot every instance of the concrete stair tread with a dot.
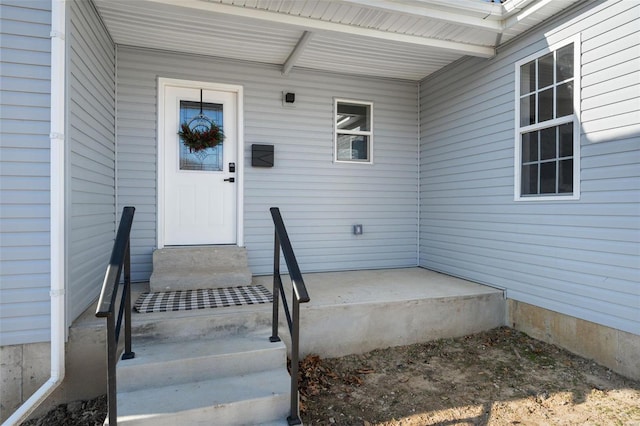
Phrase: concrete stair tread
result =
(196, 402)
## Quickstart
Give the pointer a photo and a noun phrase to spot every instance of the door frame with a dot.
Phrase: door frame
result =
(192, 84)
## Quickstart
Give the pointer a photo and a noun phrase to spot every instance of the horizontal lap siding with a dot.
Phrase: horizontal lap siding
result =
(319, 200)
(91, 156)
(25, 88)
(580, 258)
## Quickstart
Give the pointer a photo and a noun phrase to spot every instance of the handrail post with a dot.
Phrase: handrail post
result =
(276, 288)
(112, 350)
(294, 418)
(128, 353)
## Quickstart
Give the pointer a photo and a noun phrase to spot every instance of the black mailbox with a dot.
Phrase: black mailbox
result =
(261, 155)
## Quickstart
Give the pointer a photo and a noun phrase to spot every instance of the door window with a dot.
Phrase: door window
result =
(208, 159)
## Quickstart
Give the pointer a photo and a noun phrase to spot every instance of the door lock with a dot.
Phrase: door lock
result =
(231, 180)
(232, 167)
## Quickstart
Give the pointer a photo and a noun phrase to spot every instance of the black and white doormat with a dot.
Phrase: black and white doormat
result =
(186, 300)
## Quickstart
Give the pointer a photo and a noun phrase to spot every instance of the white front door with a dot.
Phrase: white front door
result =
(199, 188)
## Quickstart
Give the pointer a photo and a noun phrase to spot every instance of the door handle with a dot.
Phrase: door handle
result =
(231, 180)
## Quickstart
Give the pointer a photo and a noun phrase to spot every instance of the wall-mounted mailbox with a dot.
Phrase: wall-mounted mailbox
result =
(261, 155)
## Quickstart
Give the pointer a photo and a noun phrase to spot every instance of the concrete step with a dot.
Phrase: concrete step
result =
(250, 399)
(191, 268)
(161, 364)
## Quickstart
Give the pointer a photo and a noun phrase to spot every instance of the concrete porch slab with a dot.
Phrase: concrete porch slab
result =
(358, 311)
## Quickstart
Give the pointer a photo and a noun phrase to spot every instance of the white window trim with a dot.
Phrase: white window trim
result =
(575, 118)
(352, 132)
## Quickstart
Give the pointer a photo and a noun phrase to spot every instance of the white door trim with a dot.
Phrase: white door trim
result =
(238, 90)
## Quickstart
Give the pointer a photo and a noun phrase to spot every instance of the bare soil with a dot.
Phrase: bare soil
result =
(499, 377)
(79, 413)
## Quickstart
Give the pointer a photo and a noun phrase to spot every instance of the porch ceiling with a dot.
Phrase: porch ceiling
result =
(407, 39)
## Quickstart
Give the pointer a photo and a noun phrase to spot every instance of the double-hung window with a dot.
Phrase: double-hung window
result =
(547, 161)
(353, 135)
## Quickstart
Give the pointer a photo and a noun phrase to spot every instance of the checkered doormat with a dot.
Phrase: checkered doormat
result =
(186, 300)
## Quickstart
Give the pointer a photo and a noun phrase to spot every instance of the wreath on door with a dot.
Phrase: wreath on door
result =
(200, 132)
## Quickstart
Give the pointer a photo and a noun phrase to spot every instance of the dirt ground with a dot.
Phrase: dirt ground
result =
(500, 377)
(80, 413)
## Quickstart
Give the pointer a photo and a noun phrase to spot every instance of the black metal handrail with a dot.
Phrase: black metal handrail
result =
(120, 259)
(300, 295)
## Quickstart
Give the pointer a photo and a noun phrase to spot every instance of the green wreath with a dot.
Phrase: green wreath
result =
(198, 139)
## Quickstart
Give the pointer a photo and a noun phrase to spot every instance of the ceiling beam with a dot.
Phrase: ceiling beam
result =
(427, 10)
(296, 52)
(309, 24)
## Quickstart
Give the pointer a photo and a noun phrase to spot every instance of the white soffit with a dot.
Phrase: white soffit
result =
(407, 39)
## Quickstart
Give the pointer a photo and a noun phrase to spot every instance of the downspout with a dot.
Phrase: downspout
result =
(419, 171)
(57, 229)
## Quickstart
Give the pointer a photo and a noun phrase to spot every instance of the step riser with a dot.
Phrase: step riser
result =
(157, 374)
(190, 268)
(246, 412)
(250, 399)
(173, 326)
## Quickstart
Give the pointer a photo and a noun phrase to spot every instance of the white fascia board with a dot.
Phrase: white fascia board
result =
(484, 22)
(514, 6)
(487, 9)
(318, 25)
(526, 12)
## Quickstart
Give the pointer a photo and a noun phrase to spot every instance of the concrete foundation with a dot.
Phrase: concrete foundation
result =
(23, 369)
(615, 349)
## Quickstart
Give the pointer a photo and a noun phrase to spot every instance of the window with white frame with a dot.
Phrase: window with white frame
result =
(353, 135)
(547, 163)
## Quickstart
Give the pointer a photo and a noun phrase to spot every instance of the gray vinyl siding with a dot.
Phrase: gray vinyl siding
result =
(91, 200)
(579, 258)
(24, 171)
(319, 200)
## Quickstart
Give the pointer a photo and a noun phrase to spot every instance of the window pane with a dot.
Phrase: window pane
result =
(529, 147)
(353, 117)
(564, 63)
(548, 178)
(548, 143)
(353, 148)
(208, 159)
(545, 105)
(528, 110)
(529, 184)
(564, 101)
(528, 78)
(545, 69)
(566, 140)
(565, 180)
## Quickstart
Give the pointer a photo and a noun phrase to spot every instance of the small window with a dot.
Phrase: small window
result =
(353, 136)
(547, 163)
